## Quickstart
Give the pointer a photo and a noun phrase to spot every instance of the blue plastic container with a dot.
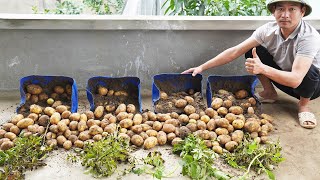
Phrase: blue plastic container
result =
(130, 84)
(44, 81)
(231, 84)
(173, 83)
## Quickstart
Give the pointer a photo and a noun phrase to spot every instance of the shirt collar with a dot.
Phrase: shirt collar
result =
(293, 34)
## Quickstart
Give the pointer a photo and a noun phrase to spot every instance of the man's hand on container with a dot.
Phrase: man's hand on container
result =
(194, 71)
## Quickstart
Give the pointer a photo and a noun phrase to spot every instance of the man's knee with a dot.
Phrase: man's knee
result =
(310, 83)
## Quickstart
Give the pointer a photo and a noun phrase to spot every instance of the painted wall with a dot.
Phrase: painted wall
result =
(85, 47)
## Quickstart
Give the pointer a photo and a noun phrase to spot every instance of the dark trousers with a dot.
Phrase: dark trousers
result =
(309, 87)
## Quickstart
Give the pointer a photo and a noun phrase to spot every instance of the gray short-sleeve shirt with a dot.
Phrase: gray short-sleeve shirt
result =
(304, 41)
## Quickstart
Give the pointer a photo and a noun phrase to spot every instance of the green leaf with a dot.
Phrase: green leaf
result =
(253, 146)
(138, 171)
(233, 164)
(270, 174)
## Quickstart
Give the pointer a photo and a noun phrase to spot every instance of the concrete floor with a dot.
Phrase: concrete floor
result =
(300, 146)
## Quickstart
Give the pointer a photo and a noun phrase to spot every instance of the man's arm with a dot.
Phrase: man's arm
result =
(225, 57)
(292, 78)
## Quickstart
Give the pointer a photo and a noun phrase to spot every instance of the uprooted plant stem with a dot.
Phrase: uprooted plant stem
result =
(251, 155)
(27, 154)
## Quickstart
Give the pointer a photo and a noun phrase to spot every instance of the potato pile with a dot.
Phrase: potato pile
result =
(180, 102)
(222, 126)
(35, 94)
(225, 99)
(110, 98)
(64, 128)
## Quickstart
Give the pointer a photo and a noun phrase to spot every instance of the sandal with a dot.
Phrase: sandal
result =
(307, 116)
(264, 100)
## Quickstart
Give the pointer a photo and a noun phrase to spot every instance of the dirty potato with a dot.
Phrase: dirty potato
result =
(267, 117)
(136, 129)
(163, 95)
(222, 111)
(111, 128)
(61, 139)
(16, 118)
(211, 125)
(79, 144)
(102, 90)
(62, 126)
(216, 103)
(230, 146)
(6, 145)
(223, 139)
(174, 122)
(35, 109)
(58, 89)
(49, 111)
(121, 108)
(194, 116)
(250, 110)
(176, 140)
(7, 126)
(183, 118)
(33, 116)
(252, 101)
(252, 126)
(150, 142)
(211, 112)
(98, 112)
(162, 117)
(137, 119)
(24, 123)
(236, 110)
(43, 97)
(222, 122)
(180, 103)
(110, 108)
(131, 108)
(162, 138)
(152, 132)
(83, 136)
(137, 140)
(89, 114)
(82, 126)
(238, 124)
(149, 116)
(189, 99)
(61, 108)
(241, 94)
(237, 136)
(192, 127)
(10, 135)
(34, 89)
(157, 126)
(189, 109)
(55, 118)
(221, 131)
(126, 123)
(201, 125)
(168, 128)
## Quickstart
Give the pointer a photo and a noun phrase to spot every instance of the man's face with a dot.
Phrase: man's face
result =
(288, 14)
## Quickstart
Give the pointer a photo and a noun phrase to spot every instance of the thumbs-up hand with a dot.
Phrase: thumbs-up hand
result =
(254, 65)
(254, 53)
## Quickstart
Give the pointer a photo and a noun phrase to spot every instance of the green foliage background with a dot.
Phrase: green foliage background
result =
(100, 7)
(216, 7)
